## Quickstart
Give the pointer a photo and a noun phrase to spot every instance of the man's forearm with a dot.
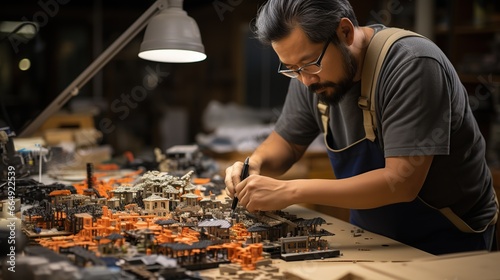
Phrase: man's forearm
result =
(275, 155)
(400, 181)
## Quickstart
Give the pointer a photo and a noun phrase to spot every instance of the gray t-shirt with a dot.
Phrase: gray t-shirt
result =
(422, 109)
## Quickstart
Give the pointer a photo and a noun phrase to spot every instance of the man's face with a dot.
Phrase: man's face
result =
(338, 65)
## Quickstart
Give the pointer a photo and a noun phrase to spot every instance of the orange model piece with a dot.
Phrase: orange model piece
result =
(247, 257)
(231, 250)
(60, 193)
(187, 236)
(37, 221)
(201, 181)
(166, 236)
(103, 188)
(56, 243)
(239, 233)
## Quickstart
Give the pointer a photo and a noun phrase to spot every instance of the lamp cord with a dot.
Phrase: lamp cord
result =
(19, 28)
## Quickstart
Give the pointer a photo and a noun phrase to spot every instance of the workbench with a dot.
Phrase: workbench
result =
(366, 255)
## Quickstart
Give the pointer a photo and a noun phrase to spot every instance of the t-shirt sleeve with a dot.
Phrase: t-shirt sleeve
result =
(296, 123)
(415, 108)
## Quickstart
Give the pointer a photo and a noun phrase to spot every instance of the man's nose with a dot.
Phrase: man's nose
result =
(308, 79)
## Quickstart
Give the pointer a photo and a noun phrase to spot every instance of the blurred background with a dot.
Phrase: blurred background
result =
(237, 81)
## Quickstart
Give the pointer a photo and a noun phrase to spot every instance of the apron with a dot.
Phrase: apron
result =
(414, 223)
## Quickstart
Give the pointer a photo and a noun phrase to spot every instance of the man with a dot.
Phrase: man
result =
(423, 181)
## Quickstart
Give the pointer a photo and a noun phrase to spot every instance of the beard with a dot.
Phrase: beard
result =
(332, 93)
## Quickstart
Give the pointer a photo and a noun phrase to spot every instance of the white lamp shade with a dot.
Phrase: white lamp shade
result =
(172, 36)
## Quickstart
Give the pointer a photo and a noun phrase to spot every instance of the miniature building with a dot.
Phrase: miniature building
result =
(189, 187)
(258, 232)
(294, 244)
(113, 202)
(217, 229)
(210, 202)
(157, 205)
(277, 225)
(191, 199)
(125, 193)
(60, 197)
(82, 220)
(152, 182)
(172, 194)
(168, 191)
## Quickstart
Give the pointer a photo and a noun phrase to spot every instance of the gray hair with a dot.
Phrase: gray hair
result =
(319, 19)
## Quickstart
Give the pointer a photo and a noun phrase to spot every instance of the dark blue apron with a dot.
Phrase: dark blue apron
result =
(413, 223)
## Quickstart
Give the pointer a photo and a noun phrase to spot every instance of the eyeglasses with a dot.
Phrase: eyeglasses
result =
(309, 68)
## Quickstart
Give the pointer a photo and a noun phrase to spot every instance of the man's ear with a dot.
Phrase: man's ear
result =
(345, 31)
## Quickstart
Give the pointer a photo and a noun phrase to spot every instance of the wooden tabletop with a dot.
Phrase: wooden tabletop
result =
(363, 247)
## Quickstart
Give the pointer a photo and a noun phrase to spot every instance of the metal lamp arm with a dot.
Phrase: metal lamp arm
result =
(74, 88)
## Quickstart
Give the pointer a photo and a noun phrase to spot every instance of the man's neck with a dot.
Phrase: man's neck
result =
(362, 38)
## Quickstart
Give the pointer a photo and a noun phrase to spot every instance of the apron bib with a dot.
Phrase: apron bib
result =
(413, 223)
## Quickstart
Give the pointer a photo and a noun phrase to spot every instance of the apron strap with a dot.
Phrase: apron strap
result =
(374, 58)
(461, 224)
(324, 109)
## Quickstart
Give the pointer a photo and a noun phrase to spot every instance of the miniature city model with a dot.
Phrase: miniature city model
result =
(162, 220)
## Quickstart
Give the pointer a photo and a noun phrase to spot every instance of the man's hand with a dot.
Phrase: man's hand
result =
(272, 158)
(233, 174)
(262, 193)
